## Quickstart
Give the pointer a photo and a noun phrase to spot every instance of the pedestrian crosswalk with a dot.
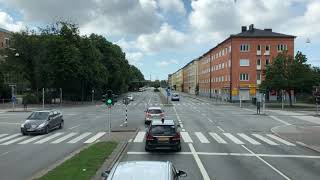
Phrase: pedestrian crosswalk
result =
(52, 138)
(226, 138)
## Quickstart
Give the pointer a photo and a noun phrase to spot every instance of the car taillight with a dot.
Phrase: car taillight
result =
(149, 137)
(177, 136)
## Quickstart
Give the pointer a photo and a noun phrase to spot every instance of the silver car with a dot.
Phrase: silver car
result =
(175, 97)
(144, 170)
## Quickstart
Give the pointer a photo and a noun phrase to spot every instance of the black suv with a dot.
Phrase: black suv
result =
(163, 134)
(42, 122)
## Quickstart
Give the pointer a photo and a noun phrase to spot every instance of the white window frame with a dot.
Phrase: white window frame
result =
(244, 62)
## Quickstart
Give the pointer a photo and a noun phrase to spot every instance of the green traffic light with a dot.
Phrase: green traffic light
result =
(109, 101)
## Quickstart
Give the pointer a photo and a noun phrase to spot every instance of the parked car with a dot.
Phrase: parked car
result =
(163, 134)
(175, 97)
(42, 122)
(144, 170)
(153, 113)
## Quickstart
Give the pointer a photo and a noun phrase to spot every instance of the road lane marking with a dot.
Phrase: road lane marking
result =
(277, 119)
(203, 171)
(14, 140)
(220, 128)
(10, 123)
(82, 136)
(210, 120)
(265, 162)
(265, 139)
(48, 138)
(186, 137)
(140, 136)
(74, 127)
(280, 140)
(1, 135)
(64, 138)
(181, 125)
(217, 138)
(10, 137)
(183, 129)
(201, 137)
(233, 138)
(31, 139)
(95, 137)
(249, 139)
(130, 140)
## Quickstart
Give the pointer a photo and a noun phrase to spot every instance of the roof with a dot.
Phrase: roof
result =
(141, 170)
(154, 108)
(4, 30)
(166, 122)
(261, 33)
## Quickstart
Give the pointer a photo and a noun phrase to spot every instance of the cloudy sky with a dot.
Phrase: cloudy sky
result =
(161, 36)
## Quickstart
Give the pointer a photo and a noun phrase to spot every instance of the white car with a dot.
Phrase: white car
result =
(153, 113)
(175, 97)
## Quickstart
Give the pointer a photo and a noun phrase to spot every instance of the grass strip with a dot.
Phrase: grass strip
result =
(83, 165)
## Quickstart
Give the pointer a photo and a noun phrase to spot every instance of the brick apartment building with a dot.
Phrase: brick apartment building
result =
(4, 38)
(233, 68)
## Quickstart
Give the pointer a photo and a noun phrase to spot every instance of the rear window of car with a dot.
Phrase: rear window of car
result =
(176, 95)
(163, 130)
(154, 111)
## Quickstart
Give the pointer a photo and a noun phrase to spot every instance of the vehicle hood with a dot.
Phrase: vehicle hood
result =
(34, 122)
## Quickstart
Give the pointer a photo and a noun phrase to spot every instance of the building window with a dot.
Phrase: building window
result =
(229, 49)
(282, 47)
(222, 52)
(258, 75)
(229, 63)
(258, 62)
(267, 47)
(244, 62)
(244, 77)
(222, 65)
(222, 78)
(267, 61)
(244, 47)
(258, 47)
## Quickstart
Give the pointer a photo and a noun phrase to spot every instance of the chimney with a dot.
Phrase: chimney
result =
(267, 29)
(243, 28)
(251, 27)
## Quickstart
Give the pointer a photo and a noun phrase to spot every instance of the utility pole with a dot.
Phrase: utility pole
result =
(92, 95)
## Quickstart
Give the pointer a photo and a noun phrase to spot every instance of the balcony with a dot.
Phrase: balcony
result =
(267, 53)
(258, 53)
(258, 67)
(258, 82)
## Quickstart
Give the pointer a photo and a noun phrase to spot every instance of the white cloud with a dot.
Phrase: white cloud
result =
(8, 23)
(172, 6)
(166, 63)
(166, 39)
(135, 58)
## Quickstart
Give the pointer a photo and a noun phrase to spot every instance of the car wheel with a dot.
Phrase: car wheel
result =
(46, 130)
(61, 125)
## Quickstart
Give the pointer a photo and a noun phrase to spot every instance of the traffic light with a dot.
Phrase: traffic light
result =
(109, 98)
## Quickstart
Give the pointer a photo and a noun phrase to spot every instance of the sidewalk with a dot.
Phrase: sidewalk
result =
(308, 136)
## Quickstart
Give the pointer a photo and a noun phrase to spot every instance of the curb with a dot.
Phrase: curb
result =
(110, 162)
(42, 172)
(296, 142)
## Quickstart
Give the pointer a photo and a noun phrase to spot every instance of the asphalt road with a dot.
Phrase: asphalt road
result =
(219, 141)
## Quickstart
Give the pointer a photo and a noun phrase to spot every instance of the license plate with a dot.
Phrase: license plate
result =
(163, 139)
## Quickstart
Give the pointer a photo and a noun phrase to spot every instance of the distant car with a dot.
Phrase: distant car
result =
(175, 97)
(42, 122)
(153, 113)
(130, 97)
(144, 170)
(163, 134)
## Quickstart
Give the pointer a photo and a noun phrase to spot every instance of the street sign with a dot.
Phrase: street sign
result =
(13, 98)
(168, 93)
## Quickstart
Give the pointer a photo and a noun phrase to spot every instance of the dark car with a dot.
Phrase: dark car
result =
(163, 134)
(42, 122)
(144, 170)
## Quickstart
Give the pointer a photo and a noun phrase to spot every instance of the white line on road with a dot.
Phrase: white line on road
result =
(203, 171)
(210, 120)
(74, 127)
(10, 123)
(64, 138)
(249, 139)
(277, 119)
(5, 153)
(264, 139)
(9, 137)
(95, 137)
(31, 139)
(14, 140)
(233, 138)
(186, 137)
(183, 129)
(275, 169)
(181, 125)
(220, 128)
(1, 135)
(217, 138)
(201, 137)
(140, 136)
(48, 138)
(280, 140)
(82, 136)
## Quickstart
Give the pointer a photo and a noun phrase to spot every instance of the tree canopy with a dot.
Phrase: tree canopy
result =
(59, 57)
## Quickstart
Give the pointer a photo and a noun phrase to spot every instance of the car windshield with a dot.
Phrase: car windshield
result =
(163, 130)
(155, 111)
(39, 115)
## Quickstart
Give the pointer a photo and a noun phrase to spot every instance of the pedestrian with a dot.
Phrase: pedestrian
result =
(25, 103)
(258, 104)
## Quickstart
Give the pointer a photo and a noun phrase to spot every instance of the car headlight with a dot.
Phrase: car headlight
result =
(42, 125)
(22, 125)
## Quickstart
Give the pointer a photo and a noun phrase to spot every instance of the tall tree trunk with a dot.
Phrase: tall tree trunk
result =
(290, 99)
